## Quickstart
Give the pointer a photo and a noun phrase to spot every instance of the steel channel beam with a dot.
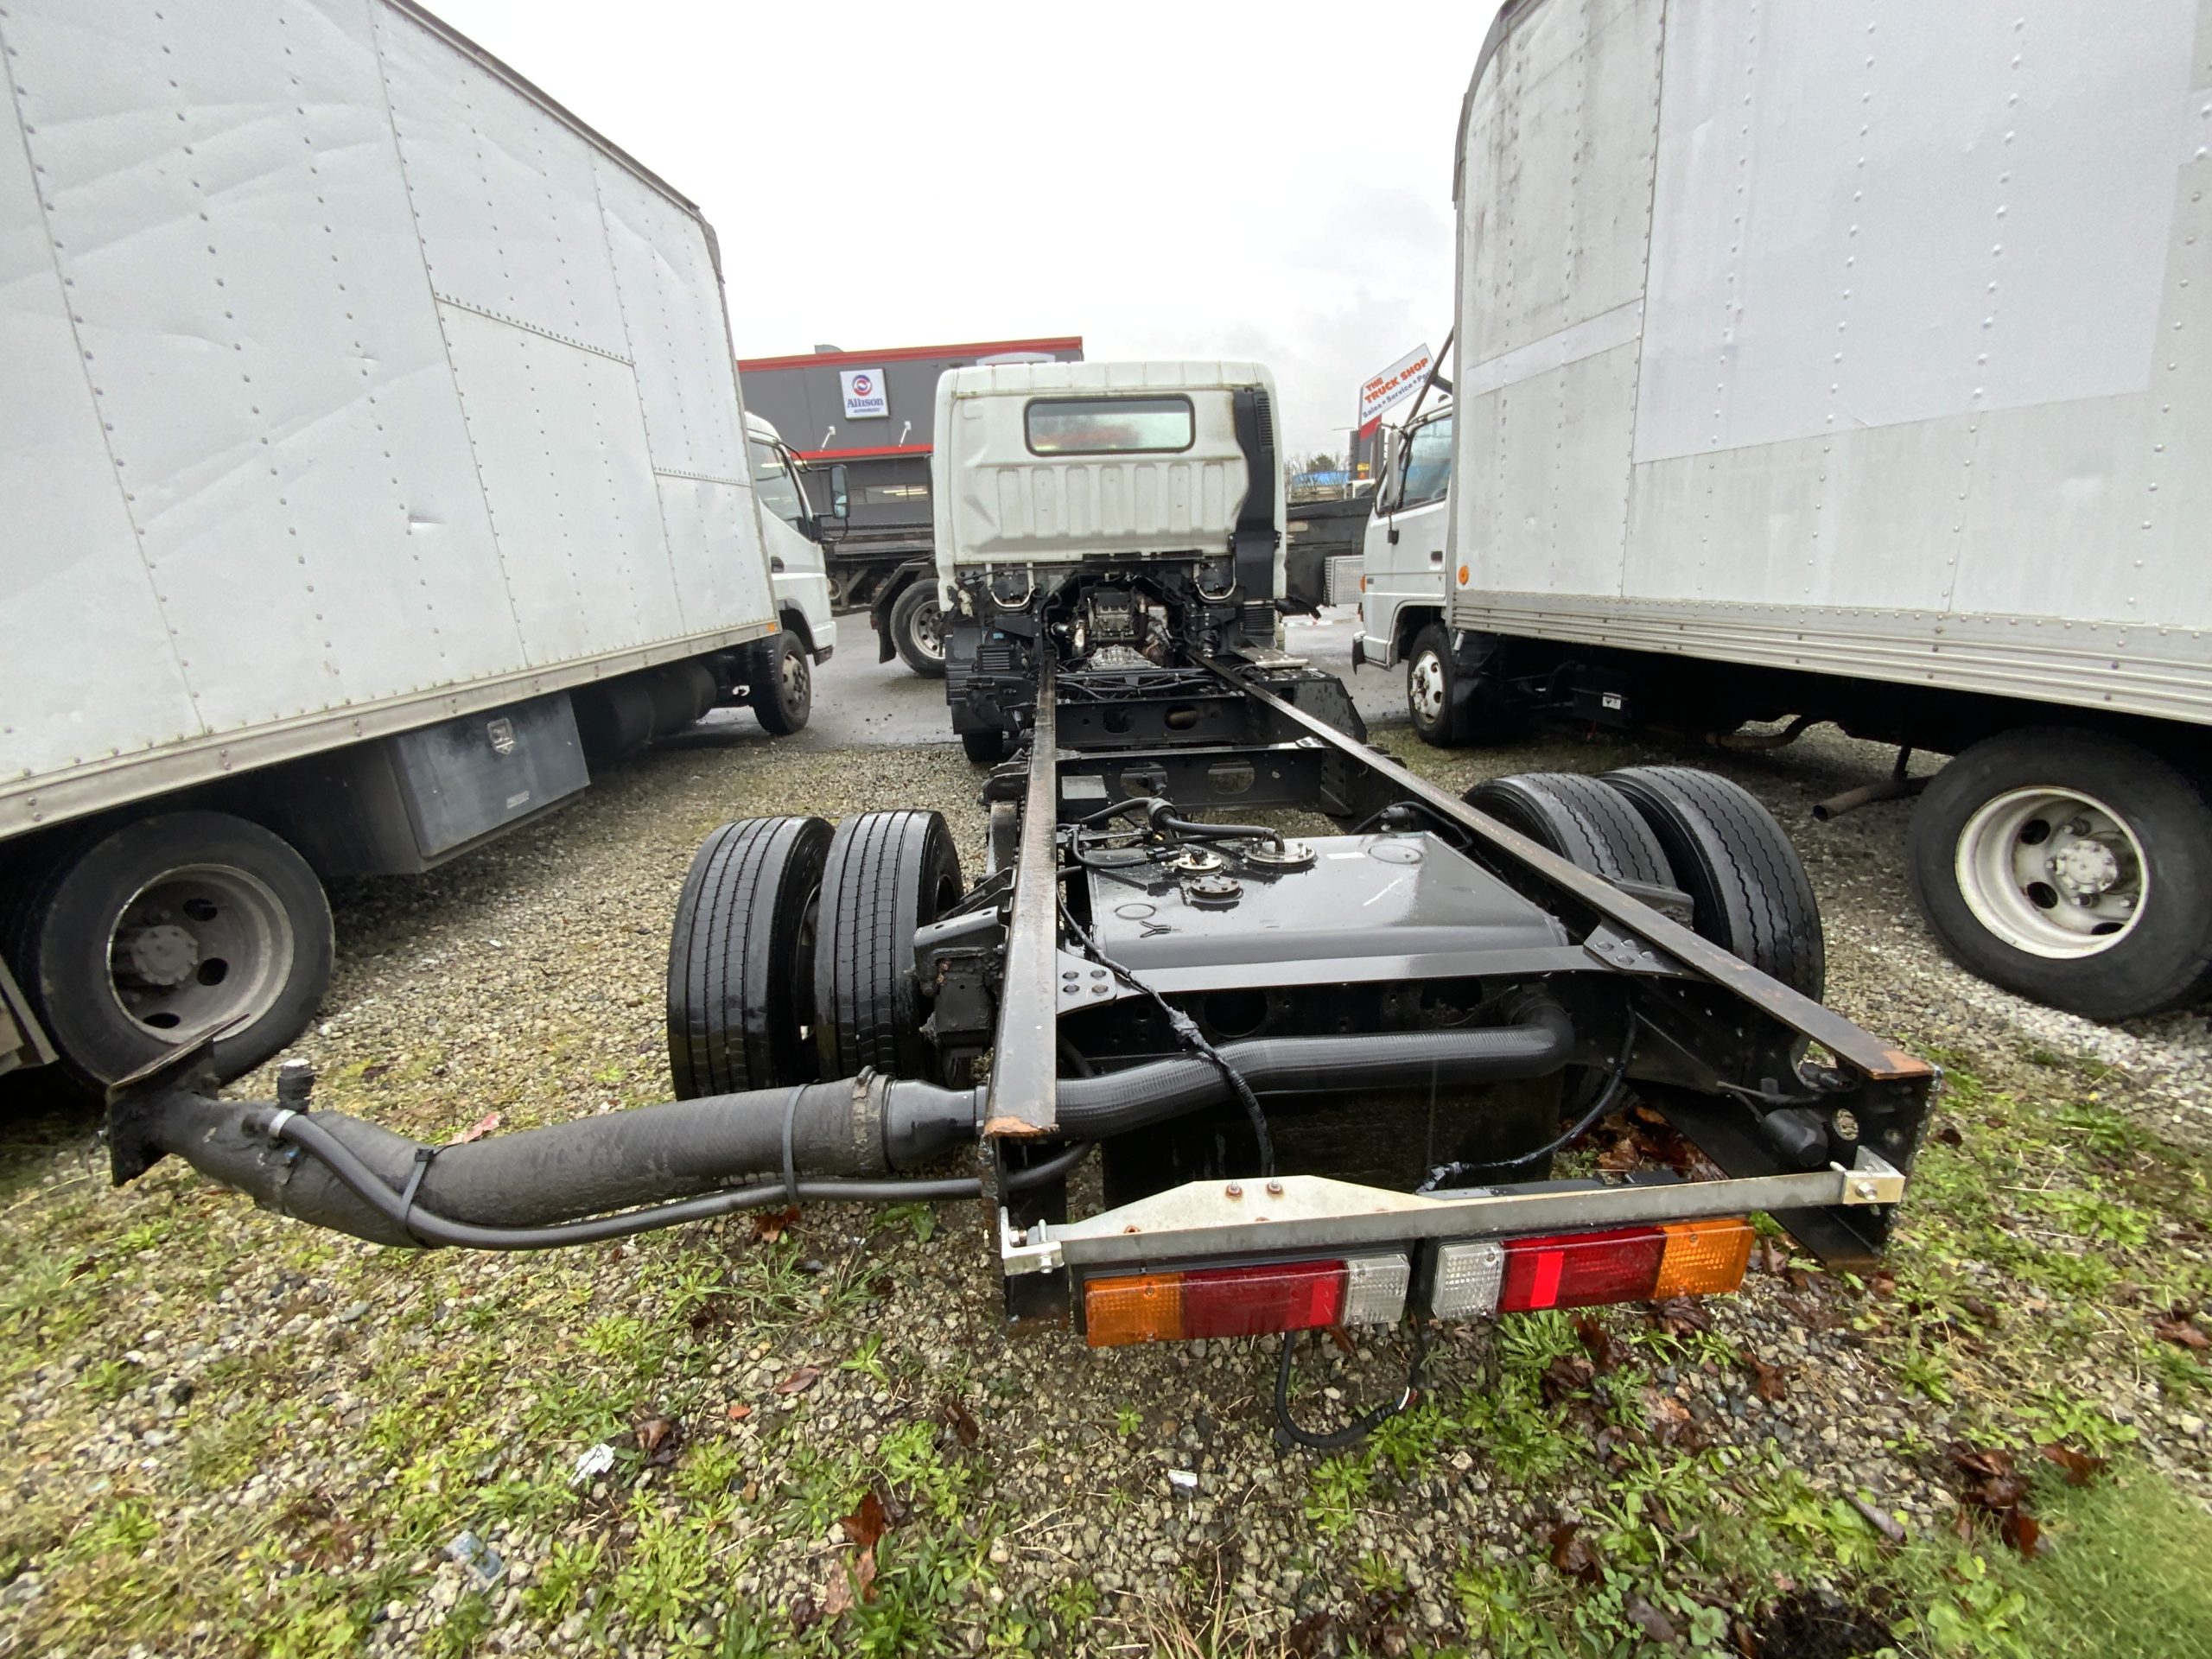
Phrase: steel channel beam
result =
(1024, 1098)
(1854, 1047)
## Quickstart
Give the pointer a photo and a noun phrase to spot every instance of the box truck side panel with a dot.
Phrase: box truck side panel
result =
(505, 195)
(70, 549)
(687, 388)
(1835, 246)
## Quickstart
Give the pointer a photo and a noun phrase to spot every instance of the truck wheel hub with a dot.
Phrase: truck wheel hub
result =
(157, 957)
(200, 948)
(2052, 872)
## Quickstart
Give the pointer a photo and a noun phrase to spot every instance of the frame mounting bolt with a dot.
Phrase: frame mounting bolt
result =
(1274, 1189)
(1863, 1189)
(1235, 1191)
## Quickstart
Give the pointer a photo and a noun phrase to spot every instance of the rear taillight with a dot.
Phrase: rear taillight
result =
(1629, 1264)
(1243, 1301)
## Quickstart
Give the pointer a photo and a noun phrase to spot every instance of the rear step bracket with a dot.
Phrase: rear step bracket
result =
(1295, 1212)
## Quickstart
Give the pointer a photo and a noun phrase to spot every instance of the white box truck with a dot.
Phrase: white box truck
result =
(1855, 365)
(370, 455)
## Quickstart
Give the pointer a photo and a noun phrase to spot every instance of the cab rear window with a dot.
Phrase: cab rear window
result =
(1110, 426)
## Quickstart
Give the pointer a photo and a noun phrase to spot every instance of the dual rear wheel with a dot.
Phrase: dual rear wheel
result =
(792, 957)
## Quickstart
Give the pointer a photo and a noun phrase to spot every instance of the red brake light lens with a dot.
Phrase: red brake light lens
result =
(1253, 1302)
(1582, 1270)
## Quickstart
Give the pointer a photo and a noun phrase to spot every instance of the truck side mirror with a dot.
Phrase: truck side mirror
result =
(830, 526)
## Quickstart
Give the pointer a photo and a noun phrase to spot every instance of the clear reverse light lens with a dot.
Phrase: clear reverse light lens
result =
(1463, 1282)
(1374, 1288)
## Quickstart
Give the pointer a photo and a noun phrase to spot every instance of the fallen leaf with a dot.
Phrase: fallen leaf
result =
(867, 1523)
(476, 1131)
(804, 1614)
(1573, 1556)
(837, 1594)
(881, 1286)
(659, 1437)
(1766, 1380)
(800, 1380)
(963, 1423)
(2182, 1332)
(752, 1489)
(1772, 1259)
(2081, 1468)
(83, 1264)
(2020, 1528)
(1606, 1353)
(864, 1573)
(737, 1411)
(1678, 1316)
(374, 1070)
(769, 1225)
(1948, 1135)
(1565, 1377)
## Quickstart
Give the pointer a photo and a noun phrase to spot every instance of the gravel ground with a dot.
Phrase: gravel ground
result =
(223, 1432)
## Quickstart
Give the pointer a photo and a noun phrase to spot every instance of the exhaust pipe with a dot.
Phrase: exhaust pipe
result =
(580, 1182)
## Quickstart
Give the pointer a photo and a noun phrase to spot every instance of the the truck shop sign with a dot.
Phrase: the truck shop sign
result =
(865, 400)
(1384, 390)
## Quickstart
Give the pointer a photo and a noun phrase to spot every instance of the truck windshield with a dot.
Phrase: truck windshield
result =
(1110, 426)
(1428, 463)
(779, 493)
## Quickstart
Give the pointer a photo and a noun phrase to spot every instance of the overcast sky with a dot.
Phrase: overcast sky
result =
(1199, 178)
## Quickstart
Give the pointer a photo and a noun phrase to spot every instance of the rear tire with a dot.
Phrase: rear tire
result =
(1999, 871)
(783, 690)
(1586, 822)
(918, 629)
(887, 874)
(1749, 893)
(150, 935)
(741, 959)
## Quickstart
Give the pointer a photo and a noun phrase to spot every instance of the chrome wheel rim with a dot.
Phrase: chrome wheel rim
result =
(199, 948)
(2053, 872)
(1425, 688)
(792, 673)
(928, 630)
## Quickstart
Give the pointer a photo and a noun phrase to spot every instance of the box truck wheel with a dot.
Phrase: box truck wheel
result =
(886, 873)
(168, 927)
(1749, 893)
(918, 629)
(782, 689)
(1430, 684)
(740, 958)
(2072, 867)
(1587, 822)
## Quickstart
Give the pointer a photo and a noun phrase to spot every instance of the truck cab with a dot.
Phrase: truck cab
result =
(1130, 515)
(792, 534)
(1402, 558)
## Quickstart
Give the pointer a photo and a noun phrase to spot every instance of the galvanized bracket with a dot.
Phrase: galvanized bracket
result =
(1313, 1212)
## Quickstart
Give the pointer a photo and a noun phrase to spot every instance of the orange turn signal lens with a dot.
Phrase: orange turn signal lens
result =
(1143, 1307)
(1702, 1258)
(1463, 576)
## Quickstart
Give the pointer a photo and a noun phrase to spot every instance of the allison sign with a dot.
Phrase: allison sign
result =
(865, 397)
(1396, 384)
